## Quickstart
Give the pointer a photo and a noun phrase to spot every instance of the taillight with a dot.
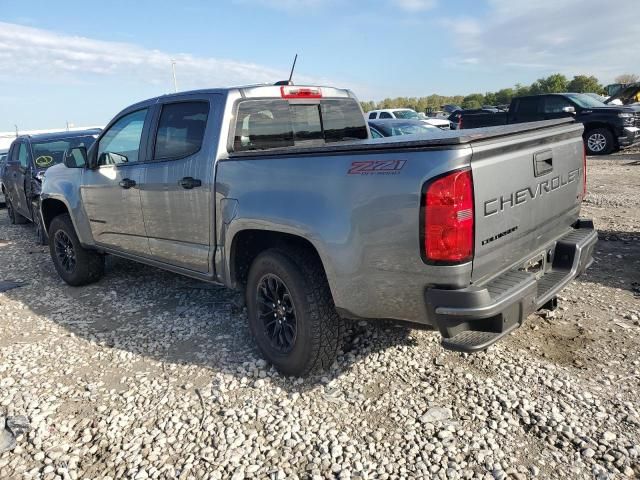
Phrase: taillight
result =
(584, 171)
(289, 91)
(448, 218)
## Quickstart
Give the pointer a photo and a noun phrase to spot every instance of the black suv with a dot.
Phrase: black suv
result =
(28, 158)
(606, 127)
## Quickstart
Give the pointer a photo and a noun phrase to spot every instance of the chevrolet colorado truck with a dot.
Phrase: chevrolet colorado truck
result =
(279, 191)
(606, 127)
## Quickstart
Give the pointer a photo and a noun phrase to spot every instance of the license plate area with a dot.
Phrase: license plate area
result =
(536, 265)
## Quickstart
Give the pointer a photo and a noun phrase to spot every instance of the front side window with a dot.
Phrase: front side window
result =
(555, 104)
(180, 130)
(406, 114)
(121, 143)
(385, 115)
(46, 154)
(268, 124)
(23, 156)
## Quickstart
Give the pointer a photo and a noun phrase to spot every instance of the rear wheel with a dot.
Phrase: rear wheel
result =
(14, 217)
(599, 141)
(75, 265)
(291, 312)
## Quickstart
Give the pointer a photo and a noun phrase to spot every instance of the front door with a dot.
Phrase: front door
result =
(176, 184)
(110, 191)
(17, 171)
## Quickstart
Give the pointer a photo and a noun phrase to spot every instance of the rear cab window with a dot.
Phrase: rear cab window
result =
(263, 124)
(180, 130)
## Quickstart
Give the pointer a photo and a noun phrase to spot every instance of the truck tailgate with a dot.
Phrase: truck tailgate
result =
(527, 190)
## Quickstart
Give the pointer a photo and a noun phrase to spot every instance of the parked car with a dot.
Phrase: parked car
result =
(606, 128)
(390, 128)
(406, 114)
(28, 158)
(277, 191)
(629, 95)
(3, 162)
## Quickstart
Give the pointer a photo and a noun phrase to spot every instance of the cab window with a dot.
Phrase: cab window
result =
(180, 130)
(121, 143)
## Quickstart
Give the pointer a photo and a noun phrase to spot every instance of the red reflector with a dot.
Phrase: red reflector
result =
(449, 218)
(300, 92)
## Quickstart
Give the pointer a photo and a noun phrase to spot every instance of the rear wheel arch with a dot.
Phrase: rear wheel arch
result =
(246, 245)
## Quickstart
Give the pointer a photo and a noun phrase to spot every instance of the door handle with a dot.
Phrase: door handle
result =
(542, 162)
(190, 182)
(127, 183)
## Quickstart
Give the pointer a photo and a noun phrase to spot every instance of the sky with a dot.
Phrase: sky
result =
(82, 62)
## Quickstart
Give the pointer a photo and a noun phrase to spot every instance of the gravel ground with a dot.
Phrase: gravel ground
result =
(151, 375)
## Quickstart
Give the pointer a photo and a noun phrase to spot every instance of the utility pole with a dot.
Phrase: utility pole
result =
(173, 69)
(17, 135)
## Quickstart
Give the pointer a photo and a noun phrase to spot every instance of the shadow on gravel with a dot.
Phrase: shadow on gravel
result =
(169, 318)
(617, 261)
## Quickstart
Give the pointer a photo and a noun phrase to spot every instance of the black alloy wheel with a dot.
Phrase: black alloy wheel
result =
(277, 313)
(65, 251)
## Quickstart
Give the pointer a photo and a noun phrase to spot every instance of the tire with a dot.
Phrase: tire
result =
(318, 328)
(82, 266)
(14, 217)
(599, 141)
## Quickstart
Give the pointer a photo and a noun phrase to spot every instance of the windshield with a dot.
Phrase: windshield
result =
(410, 129)
(46, 154)
(585, 101)
(406, 114)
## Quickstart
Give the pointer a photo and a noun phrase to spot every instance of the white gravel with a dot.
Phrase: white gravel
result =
(150, 375)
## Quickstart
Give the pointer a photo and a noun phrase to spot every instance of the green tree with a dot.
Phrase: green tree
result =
(504, 96)
(584, 83)
(474, 100)
(490, 98)
(555, 83)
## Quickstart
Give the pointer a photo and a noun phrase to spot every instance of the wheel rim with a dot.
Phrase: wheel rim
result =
(597, 142)
(277, 313)
(65, 253)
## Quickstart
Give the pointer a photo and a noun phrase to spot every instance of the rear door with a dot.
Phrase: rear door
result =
(176, 183)
(527, 190)
(525, 109)
(110, 192)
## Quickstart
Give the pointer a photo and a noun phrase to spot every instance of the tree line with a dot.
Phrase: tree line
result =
(555, 83)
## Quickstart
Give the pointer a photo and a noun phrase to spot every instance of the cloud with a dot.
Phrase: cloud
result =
(37, 54)
(415, 5)
(568, 36)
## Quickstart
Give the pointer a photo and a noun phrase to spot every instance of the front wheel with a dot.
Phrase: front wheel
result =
(599, 141)
(75, 265)
(291, 312)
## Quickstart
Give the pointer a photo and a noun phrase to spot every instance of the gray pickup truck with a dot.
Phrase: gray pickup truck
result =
(280, 192)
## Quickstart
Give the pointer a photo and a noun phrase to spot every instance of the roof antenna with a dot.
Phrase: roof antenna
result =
(289, 82)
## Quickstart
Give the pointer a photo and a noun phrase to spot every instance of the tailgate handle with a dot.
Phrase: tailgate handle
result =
(542, 162)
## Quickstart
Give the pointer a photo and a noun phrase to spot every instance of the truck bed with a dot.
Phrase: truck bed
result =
(444, 138)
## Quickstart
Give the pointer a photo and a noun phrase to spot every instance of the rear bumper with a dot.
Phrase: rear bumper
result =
(629, 136)
(494, 309)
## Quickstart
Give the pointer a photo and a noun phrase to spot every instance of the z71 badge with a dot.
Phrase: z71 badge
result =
(376, 167)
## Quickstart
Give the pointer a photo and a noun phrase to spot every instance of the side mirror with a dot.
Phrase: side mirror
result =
(571, 110)
(76, 157)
